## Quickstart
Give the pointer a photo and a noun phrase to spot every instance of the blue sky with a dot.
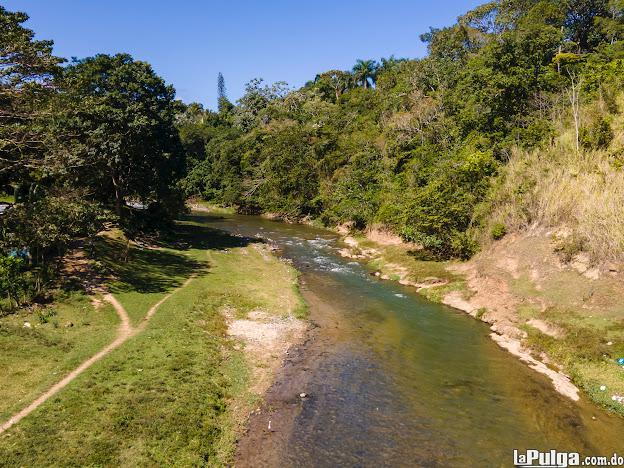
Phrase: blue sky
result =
(189, 42)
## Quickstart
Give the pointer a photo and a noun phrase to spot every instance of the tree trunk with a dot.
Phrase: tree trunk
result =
(118, 195)
(574, 97)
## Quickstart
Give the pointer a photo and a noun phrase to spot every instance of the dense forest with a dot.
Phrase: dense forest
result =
(416, 145)
(430, 148)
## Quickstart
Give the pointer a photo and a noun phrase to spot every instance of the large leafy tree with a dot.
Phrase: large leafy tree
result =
(337, 81)
(126, 145)
(27, 69)
(580, 22)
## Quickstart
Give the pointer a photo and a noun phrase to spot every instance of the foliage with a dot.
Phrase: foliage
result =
(598, 135)
(413, 144)
(417, 144)
(27, 70)
(12, 282)
(364, 72)
(125, 114)
(47, 226)
(498, 230)
(77, 140)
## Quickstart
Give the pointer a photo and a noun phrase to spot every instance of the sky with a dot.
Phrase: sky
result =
(188, 42)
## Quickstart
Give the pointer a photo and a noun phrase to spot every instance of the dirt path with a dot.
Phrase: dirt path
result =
(124, 332)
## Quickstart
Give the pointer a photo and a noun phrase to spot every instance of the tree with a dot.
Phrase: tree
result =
(613, 25)
(255, 100)
(128, 146)
(580, 22)
(419, 151)
(365, 72)
(339, 81)
(224, 105)
(47, 225)
(27, 70)
(12, 281)
(221, 87)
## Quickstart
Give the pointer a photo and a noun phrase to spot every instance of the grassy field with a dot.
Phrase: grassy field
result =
(174, 394)
(61, 336)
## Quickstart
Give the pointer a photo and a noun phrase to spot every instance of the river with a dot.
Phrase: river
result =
(395, 380)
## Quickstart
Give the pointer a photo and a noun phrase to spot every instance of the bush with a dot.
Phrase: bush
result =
(498, 230)
(597, 135)
(463, 245)
(46, 226)
(12, 281)
(568, 247)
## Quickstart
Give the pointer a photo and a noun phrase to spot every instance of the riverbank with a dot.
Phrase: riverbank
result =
(211, 316)
(561, 318)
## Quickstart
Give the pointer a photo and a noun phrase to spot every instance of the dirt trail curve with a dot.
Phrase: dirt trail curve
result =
(124, 332)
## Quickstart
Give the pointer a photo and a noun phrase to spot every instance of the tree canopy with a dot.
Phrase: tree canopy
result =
(415, 144)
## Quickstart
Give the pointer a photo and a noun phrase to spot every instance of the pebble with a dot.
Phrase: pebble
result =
(303, 395)
(27, 325)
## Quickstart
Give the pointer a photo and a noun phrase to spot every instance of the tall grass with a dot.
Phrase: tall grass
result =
(580, 194)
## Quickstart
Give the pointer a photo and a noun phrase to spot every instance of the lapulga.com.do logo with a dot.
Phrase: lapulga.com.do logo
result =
(554, 459)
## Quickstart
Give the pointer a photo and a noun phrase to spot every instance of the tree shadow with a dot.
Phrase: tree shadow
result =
(192, 233)
(163, 265)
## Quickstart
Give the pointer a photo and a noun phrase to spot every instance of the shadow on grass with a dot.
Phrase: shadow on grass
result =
(192, 233)
(154, 270)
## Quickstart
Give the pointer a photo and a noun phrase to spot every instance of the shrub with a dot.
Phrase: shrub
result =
(46, 226)
(45, 315)
(12, 281)
(498, 230)
(597, 135)
(463, 245)
(568, 247)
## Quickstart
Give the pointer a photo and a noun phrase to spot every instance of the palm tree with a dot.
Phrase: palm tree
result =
(364, 72)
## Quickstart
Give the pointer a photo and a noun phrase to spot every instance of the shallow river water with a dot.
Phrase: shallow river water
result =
(395, 380)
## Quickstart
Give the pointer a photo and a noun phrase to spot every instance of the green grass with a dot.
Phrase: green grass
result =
(33, 359)
(176, 393)
(402, 262)
(6, 198)
(214, 208)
